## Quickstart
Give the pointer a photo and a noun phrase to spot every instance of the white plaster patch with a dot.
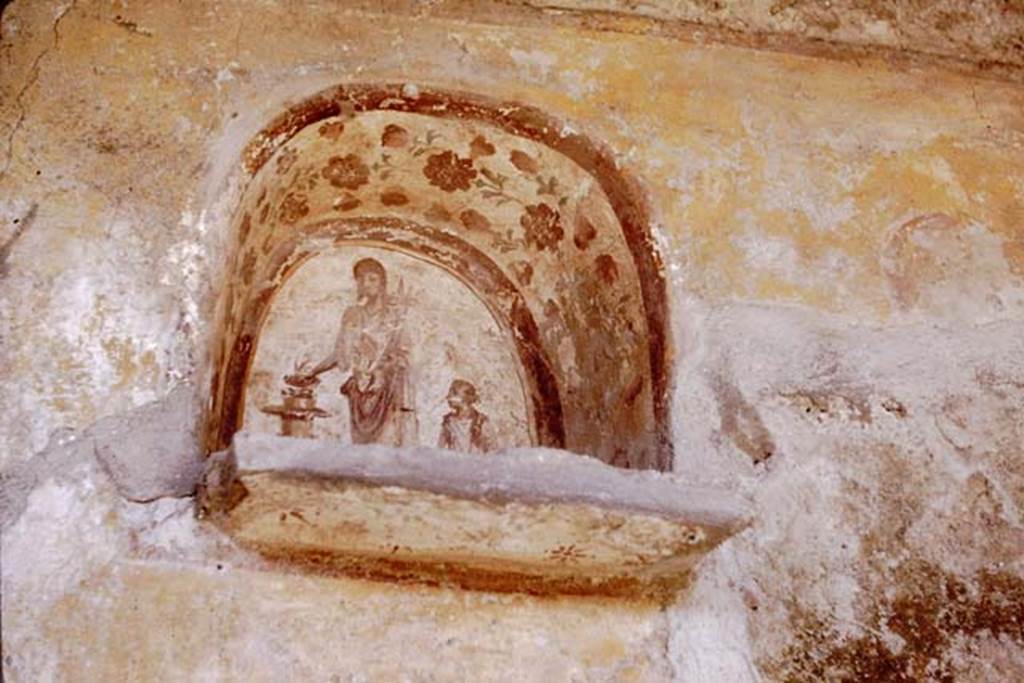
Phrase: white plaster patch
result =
(577, 85)
(60, 538)
(709, 639)
(536, 63)
(767, 253)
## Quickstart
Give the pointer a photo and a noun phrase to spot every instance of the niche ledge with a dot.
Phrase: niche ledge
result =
(536, 521)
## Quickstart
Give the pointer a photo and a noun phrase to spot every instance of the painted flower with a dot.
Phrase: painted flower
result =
(438, 214)
(393, 197)
(331, 130)
(346, 202)
(523, 161)
(448, 172)
(245, 228)
(293, 207)
(607, 268)
(584, 233)
(348, 172)
(286, 160)
(474, 220)
(248, 266)
(567, 553)
(479, 147)
(543, 226)
(394, 136)
(523, 272)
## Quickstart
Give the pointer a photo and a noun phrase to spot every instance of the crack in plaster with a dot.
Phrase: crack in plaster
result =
(22, 224)
(32, 80)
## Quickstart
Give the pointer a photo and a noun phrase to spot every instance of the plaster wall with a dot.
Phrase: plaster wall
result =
(844, 243)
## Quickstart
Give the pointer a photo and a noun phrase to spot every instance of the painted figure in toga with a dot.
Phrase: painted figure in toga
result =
(374, 348)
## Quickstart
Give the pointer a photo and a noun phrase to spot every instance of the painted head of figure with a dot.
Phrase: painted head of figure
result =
(461, 395)
(371, 280)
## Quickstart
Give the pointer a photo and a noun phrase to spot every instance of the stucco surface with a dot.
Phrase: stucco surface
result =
(844, 242)
(153, 596)
(981, 33)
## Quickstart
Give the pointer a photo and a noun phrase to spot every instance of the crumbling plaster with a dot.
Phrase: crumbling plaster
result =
(985, 34)
(845, 248)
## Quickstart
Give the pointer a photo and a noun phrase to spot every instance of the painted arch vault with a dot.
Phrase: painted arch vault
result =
(521, 299)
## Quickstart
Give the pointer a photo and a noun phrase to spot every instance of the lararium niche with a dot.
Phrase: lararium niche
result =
(423, 282)
(521, 283)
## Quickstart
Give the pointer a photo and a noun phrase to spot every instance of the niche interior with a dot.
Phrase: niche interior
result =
(419, 267)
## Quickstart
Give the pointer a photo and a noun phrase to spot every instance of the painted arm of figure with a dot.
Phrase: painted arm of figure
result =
(323, 366)
(340, 354)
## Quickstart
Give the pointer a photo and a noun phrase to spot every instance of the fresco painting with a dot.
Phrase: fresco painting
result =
(369, 345)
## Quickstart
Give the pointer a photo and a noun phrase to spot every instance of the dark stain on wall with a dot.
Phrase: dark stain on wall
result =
(932, 612)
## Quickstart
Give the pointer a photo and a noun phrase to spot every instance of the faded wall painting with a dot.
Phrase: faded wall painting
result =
(531, 216)
(370, 345)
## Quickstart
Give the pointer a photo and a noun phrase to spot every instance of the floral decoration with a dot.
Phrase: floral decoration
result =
(248, 266)
(479, 147)
(286, 160)
(567, 553)
(437, 213)
(346, 202)
(293, 207)
(607, 268)
(523, 161)
(523, 272)
(584, 233)
(347, 172)
(393, 197)
(474, 220)
(543, 226)
(448, 172)
(331, 130)
(245, 228)
(394, 136)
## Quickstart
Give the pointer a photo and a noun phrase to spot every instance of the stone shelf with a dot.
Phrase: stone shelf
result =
(533, 520)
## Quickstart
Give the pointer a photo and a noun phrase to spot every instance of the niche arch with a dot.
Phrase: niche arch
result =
(546, 206)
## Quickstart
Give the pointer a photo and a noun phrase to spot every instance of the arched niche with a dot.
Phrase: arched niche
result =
(545, 207)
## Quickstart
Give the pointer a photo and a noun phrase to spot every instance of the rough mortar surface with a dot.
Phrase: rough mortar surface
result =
(844, 243)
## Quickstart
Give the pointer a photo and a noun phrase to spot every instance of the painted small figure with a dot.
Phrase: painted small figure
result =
(465, 428)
